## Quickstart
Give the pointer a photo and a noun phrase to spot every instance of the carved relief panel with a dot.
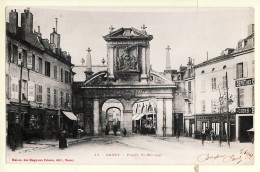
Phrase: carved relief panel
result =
(127, 59)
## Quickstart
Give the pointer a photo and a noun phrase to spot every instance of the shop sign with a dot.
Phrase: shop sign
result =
(31, 91)
(51, 112)
(244, 82)
(29, 60)
(245, 110)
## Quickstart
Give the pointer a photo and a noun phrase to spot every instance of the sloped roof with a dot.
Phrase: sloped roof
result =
(80, 75)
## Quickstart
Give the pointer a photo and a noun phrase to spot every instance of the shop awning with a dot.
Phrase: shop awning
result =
(70, 115)
(139, 117)
(134, 116)
(251, 130)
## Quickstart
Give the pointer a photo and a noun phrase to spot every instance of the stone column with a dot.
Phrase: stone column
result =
(159, 131)
(110, 62)
(143, 74)
(147, 57)
(96, 117)
(127, 120)
(168, 108)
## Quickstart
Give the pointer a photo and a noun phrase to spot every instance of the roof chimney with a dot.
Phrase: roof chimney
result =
(27, 21)
(13, 21)
(39, 32)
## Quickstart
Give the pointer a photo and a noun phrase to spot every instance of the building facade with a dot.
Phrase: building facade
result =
(128, 94)
(222, 85)
(46, 80)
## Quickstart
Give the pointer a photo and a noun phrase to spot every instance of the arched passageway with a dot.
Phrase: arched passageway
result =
(112, 116)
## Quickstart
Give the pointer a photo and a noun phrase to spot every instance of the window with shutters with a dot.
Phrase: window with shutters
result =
(15, 54)
(203, 106)
(39, 94)
(67, 103)
(33, 62)
(240, 70)
(47, 69)
(8, 86)
(39, 64)
(48, 97)
(240, 98)
(24, 58)
(10, 53)
(55, 72)
(66, 77)
(61, 75)
(213, 83)
(55, 98)
(24, 90)
(70, 79)
(61, 99)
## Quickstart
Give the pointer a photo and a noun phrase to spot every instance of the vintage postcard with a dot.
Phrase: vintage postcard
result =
(129, 85)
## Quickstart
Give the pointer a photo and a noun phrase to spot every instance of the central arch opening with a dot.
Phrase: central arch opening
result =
(112, 115)
(144, 118)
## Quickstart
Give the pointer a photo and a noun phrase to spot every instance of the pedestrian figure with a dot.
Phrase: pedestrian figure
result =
(203, 137)
(63, 140)
(107, 130)
(115, 129)
(178, 134)
(207, 132)
(212, 135)
(13, 137)
(124, 132)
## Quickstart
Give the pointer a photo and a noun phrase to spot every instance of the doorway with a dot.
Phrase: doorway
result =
(245, 123)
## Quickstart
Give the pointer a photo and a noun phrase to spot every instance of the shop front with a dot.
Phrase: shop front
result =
(217, 123)
(69, 123)
(15, 123)
(189, 126)
(245, 118)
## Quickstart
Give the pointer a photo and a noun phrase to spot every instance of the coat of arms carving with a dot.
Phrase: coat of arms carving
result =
(127, 59)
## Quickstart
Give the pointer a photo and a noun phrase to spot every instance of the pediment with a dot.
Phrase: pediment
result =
(126, 33)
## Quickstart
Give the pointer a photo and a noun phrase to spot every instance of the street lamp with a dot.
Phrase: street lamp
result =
(20, 63)
(227, 111)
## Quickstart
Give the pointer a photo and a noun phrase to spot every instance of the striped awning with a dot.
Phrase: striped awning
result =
(70, 115)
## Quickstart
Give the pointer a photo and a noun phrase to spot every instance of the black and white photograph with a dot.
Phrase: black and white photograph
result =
(129, 86)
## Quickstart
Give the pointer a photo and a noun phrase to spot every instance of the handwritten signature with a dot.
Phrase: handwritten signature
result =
(227, 158)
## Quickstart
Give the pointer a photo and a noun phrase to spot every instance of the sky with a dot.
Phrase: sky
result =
(190, 32)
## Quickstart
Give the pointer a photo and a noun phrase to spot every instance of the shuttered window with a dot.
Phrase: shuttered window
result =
(55, 98)
(39, 93)
(240, 97)
(55, 72)
(48, 97)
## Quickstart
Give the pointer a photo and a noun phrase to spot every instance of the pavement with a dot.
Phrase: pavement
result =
(133, 149)
(46, 144)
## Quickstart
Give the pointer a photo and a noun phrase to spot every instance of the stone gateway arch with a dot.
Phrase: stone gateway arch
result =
(128, 79)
